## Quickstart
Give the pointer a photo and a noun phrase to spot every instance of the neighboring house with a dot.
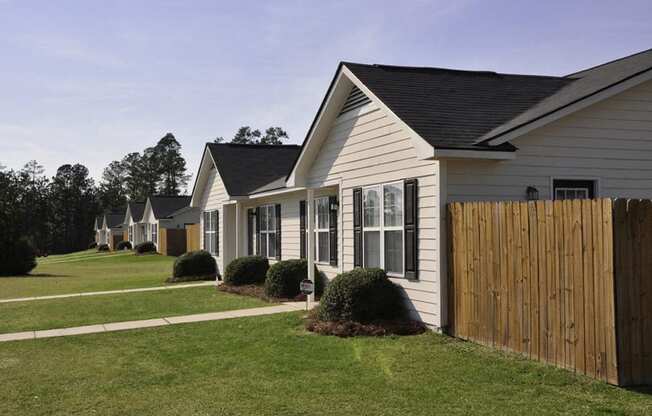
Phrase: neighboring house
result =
(112, 228)
(166, 213)
(391, 146)
(132, 221)
(97, 227)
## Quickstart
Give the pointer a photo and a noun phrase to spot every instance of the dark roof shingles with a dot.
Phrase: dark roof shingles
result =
(163, 206)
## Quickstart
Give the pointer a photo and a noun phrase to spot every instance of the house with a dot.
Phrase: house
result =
(390, 146)
(97, 229)
(132, 221)
(112, 228)
(165, 219)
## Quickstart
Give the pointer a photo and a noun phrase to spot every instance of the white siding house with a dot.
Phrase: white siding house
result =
(390, 146)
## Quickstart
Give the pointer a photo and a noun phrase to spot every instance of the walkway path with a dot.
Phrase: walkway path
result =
(149, 323)
(109, 292)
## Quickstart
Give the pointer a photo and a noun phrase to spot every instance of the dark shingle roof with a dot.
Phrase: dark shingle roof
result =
(583, 84)
(184, 210)
(247, 169)
(452, 108)
(162, 206)
(464, 109)
(114, 220)
(136, 209)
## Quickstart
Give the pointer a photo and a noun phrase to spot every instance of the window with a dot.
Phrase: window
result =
(268, 231)
(322, 224)
(383, 227)
(131, 233)
(155, 233)
(573, 189)
(210, 232)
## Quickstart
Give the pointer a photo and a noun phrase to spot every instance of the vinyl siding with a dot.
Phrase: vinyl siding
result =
(212, 198)
(364, 148)
(610, 141)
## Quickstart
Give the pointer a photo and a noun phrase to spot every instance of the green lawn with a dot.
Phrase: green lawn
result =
(87, 310)
(271, 366)
(88, 271)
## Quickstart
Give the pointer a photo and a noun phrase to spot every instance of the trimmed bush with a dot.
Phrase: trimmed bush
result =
(92, 245)
(103, 247)
(17, 258)
(195, 265)
(361, 295)
(147, 247)
(246, 271)
(124, 245)
(283, 279)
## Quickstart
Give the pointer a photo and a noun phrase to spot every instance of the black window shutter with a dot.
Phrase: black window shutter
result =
(277, 210)
(332, 229)
(217, 233)
(411, 220)
(357, 227)
(258, 231)
(250, 231)
(206, 222)
(302, 230)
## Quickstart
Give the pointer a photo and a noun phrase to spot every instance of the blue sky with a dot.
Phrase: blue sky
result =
(89, 81)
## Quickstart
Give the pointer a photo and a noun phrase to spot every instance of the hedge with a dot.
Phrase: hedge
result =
(361, 295)
(124, 245)
(284, 277)
(246, 271)
(103, 247)
(195, 265)
(145, 248)
(17, 257)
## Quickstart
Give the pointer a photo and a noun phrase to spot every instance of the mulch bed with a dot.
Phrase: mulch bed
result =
(346, 329)
(258, 291)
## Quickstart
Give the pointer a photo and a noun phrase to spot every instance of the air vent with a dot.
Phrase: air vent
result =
(356, 99)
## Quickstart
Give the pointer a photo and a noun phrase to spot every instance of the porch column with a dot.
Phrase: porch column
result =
(310, 206)
(237, 230)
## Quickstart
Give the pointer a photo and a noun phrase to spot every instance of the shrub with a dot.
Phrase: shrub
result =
(246, 270)
(195, 265)
(361, 295)
(283, 279)
(92, 245)
(103, 247)
(145, 248)
(17, 257)
(123, 245)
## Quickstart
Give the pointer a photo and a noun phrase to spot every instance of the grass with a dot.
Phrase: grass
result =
(87, 310)
(271, 366)
(88, 271)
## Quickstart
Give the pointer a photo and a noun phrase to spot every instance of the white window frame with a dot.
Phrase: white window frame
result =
(154, 233)
(382, 227)
(209, 232)
(130, 234)
(264, 210)
(322, 230)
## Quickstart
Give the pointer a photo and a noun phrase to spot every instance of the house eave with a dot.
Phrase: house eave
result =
(474, 154)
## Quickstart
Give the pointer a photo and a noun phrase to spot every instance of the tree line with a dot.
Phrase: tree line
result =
(56, 215)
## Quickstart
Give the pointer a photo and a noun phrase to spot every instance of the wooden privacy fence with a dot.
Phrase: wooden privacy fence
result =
(172, 241)
(565, 282)
(192, 237)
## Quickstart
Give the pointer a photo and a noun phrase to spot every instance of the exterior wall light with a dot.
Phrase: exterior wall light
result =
(532, 193)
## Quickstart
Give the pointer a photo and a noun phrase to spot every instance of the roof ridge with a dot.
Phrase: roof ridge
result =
(435, 68)
(591, 68)
(252, 145)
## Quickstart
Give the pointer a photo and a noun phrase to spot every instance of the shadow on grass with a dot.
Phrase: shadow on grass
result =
(36, 275)
(647, 390)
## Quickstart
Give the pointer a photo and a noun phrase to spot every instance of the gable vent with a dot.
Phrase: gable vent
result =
(356, 99)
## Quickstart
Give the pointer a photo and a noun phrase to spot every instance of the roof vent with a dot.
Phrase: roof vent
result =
(356, 99)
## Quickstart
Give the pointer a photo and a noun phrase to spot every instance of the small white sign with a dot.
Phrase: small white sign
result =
(306, 286)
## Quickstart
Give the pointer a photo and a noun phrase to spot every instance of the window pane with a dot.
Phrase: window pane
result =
(271, 218)
(371, 203)
(322, 241)
(263, 218)
(321, 211)
(272, 245)
(372, 249)
(214, 221)
(394, 252)
(393, 195)
(263, 245)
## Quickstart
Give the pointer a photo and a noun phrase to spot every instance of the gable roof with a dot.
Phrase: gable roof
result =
(163, 206)
(581, 85)
(98, 222)
(450, 108)
(247, 169)
(136, 209)
(184, 210)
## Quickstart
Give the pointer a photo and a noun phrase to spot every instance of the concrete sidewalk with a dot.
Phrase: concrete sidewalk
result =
(149, 323)
(109, 292)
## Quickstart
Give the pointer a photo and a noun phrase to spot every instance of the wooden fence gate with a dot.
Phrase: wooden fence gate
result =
(565, 282)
